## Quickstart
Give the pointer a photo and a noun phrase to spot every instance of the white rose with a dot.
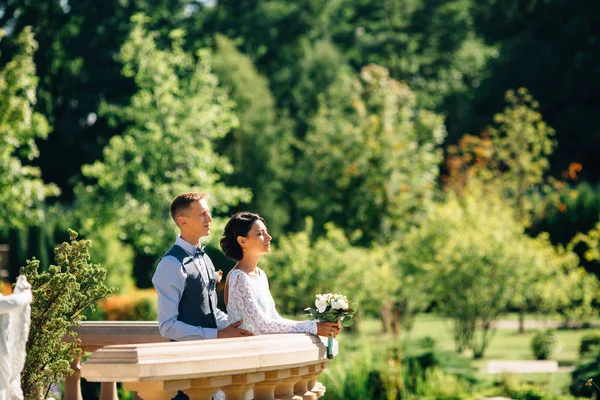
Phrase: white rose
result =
(321, 304)
(339, 304)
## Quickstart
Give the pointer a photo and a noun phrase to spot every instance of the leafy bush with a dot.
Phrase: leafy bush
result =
(115, 256)
(375, 376)
(543, 344)
(60, 295)
(588, 343)
(583, 372)
(427, 342)
(137, 305)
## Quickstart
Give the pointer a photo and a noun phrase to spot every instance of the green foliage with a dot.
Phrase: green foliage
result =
(532, 51)
(304, 265)
(521, 143)
(60, 295)
(370, 158)
(589, 368)
(468, 250)
(589, 342)
(509, 386)
(512, 153)
(543, 344)
(379, 376)
(17, 242)
(115, 257)
(167, 148)
(22, 191)
(259, 146)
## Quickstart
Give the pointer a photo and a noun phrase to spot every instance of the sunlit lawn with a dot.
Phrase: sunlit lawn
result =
(507, 344)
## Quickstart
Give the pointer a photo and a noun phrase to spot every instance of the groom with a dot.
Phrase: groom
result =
(185, 282)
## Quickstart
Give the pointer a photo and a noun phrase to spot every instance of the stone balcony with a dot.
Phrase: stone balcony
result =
(271, 367)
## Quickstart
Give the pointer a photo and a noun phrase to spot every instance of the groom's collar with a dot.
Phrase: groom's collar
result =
(188, 247)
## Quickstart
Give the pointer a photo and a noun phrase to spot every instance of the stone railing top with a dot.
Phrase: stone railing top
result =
(97, 334)
(203, 358)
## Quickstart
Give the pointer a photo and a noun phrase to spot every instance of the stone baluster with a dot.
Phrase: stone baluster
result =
(241, 385)
(108, 391)
(199, 388)
(265, 390)
(73, 382)
(301, 388)
(317, 387)
(285, 391)
(151, 390)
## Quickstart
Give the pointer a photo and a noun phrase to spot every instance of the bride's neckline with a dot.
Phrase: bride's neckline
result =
(256, 273)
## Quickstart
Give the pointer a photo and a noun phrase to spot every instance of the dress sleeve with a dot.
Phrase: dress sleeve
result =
(242, 298)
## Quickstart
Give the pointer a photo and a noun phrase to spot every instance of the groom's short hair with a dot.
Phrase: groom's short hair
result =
(181, 203)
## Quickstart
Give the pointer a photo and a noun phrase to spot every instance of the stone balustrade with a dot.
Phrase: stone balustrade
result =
(272, 366)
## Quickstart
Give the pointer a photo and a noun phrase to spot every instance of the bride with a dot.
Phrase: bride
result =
(247, 294)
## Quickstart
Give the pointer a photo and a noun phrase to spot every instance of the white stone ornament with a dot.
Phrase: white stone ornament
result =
(15, 318)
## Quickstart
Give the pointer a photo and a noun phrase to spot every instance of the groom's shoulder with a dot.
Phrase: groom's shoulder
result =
(173, 258)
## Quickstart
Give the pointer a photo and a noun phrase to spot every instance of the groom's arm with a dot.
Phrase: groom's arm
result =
(221, 318)
(169, 281)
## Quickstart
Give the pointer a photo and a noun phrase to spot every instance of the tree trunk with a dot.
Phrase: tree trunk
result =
(522, 320)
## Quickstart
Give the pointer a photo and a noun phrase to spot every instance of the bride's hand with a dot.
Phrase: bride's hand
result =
(328, 328)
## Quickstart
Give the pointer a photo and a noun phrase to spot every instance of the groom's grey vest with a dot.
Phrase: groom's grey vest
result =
(197, 303)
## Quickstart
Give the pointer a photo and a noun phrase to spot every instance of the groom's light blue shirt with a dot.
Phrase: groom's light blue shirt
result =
(170, 280)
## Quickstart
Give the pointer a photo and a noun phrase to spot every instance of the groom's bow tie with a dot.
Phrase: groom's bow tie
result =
(199, 251)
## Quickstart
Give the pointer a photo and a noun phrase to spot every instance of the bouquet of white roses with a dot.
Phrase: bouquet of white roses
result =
(332, 308)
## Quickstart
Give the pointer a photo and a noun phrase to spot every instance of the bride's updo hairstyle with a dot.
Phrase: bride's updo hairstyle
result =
(238, 225)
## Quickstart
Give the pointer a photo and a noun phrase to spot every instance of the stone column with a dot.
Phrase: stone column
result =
(241, 385)
(285, 391)
(316, 387)
(108, 391)
(73, 382)
(151, 390)
(198, 388)
(301, 387)
(265, 390)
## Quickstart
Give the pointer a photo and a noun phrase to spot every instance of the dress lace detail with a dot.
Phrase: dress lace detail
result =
(251, 300)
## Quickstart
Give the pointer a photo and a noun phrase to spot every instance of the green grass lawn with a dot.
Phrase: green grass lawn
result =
(507, 344)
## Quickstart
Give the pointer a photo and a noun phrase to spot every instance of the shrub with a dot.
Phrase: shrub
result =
(588, 342)
(60, 295)
(137, 305)
(375, 376)
(583, 372)
(543, 344)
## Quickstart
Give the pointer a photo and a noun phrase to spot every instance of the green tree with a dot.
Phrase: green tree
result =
(77, 69)
(22, 191)
(513, 155)
(370, 158)
(521, 144)
(259, 147)
(167, 148)
(541, 42)
(468, 250)
(305, 264)
(60, 296)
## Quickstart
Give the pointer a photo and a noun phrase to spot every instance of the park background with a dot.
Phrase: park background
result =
(436, 161)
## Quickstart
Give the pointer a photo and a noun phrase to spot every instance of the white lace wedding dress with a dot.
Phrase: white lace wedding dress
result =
(250, 299)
